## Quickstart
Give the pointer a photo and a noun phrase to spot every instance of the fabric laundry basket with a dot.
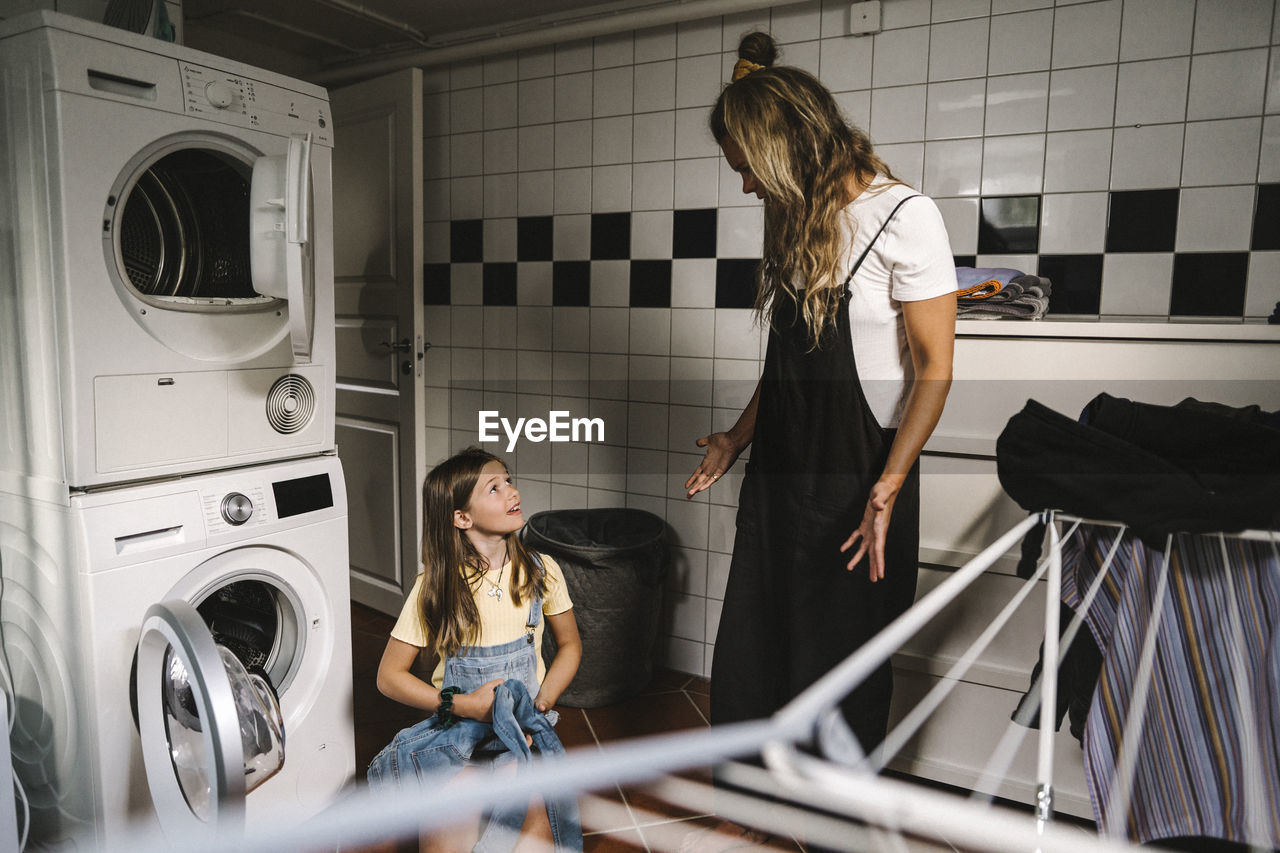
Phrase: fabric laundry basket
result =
(614, 562)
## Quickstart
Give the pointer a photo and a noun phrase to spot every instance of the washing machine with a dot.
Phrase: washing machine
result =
(104, 595)
(166, 263)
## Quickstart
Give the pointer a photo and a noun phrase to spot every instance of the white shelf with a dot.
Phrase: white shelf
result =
(1118, 329)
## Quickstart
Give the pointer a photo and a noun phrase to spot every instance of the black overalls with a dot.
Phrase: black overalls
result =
(791, 610)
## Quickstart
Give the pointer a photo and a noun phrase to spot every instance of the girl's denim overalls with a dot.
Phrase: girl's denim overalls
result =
(428, 748)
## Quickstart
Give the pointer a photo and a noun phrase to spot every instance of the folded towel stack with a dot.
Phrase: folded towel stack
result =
(990, 293)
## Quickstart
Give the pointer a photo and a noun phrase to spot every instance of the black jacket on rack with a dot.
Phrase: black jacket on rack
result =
(1195, 467)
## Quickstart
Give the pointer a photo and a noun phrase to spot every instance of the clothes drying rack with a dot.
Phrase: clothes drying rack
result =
(832, 796)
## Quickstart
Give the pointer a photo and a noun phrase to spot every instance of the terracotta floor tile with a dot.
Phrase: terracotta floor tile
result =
(370, 706)
(369, 742)
(620, 842)
(666, 680)
(611, 794)
(366, 652)
(672, 836)
(645, 715)
(604, 811)
(369, 619)
(573, 728)
(641, 798)
(702, 702)
(385, 847)
(701, 686)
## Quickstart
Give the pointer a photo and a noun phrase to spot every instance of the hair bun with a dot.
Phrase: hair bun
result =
(759, 48)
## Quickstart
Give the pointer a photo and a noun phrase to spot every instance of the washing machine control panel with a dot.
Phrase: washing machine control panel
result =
(233, 99)
(226, 511)
(236, 509)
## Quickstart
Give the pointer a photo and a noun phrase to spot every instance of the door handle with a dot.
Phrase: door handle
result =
(401, 346)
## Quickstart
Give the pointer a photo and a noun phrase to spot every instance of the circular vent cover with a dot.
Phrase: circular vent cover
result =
(290, 403)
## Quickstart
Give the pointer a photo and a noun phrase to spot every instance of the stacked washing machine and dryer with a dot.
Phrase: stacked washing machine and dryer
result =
(175, 605)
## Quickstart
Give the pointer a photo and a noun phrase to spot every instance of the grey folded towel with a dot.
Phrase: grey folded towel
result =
(1025, 297)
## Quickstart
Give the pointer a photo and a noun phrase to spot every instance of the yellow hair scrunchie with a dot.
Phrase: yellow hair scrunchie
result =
(742, 68)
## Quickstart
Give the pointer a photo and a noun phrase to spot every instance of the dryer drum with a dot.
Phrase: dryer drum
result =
(184, 229)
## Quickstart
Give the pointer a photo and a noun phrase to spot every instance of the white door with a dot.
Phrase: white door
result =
(377, 219)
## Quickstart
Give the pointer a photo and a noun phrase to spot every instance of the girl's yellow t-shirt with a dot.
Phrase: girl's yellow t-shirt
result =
(501, 621)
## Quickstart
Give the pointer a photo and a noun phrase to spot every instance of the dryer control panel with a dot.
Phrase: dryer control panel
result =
(244, 102)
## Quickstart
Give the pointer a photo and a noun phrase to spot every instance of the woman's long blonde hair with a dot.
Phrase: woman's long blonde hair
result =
(802, 152)
(452, 568)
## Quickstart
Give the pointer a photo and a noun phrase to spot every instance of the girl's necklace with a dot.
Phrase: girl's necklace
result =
(495, 589)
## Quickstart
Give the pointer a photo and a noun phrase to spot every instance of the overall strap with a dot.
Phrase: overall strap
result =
(883, 226)
(535, 608)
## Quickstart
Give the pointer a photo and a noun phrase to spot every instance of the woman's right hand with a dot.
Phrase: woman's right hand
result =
(478, 704)
(722, 452)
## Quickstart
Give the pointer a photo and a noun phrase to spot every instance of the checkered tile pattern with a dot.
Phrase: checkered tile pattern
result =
(1141, 226)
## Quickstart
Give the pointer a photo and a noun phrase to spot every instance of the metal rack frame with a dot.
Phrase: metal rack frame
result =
(843, 783)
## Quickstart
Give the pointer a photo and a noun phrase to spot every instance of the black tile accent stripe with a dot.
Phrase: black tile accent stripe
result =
(466, 241)
(1075, 282)
(534, 238)
(693, 233)
(571, 283)
(500, 283)
(736, 282)
(436, 279)
(1266, 218)
(610, 236)
(1209, 284)
(651, 284)
(1142, 220)
(1009, 224)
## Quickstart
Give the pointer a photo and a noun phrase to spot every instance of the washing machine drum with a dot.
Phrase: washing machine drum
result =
(243, 617)
(184, 230)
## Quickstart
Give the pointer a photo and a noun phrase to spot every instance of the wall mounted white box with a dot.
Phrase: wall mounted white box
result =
(864, 18)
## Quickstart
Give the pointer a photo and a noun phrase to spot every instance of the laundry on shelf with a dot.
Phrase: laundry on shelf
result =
(996, 292)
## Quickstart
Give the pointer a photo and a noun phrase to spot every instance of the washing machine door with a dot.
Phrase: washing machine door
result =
(210, 731)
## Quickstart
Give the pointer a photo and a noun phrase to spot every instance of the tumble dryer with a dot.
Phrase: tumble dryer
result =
(252, 559)
(165, 258)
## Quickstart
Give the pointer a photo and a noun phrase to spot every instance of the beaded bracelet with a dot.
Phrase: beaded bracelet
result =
(445, 710)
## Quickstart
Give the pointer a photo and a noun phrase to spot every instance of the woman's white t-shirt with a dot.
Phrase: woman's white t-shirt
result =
(911, 261)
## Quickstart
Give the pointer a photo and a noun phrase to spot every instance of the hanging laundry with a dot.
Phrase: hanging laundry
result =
(1206, 755)
(1206, 759)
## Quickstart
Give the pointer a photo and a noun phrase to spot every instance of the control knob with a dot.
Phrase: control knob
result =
(236, 509)
(220, 94)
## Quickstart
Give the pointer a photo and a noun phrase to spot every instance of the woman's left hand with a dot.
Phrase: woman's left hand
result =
(871, 533)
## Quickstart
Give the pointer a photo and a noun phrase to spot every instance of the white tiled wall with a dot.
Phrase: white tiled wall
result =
(963, 96)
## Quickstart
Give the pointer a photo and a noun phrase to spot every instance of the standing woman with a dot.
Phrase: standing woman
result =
(857, 285)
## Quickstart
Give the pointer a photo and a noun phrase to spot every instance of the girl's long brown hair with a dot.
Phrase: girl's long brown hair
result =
(452, 568)
(802, 152)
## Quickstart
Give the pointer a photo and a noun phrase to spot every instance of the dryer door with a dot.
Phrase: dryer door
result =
(280, 236)
(210, 731)
(178, 236)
